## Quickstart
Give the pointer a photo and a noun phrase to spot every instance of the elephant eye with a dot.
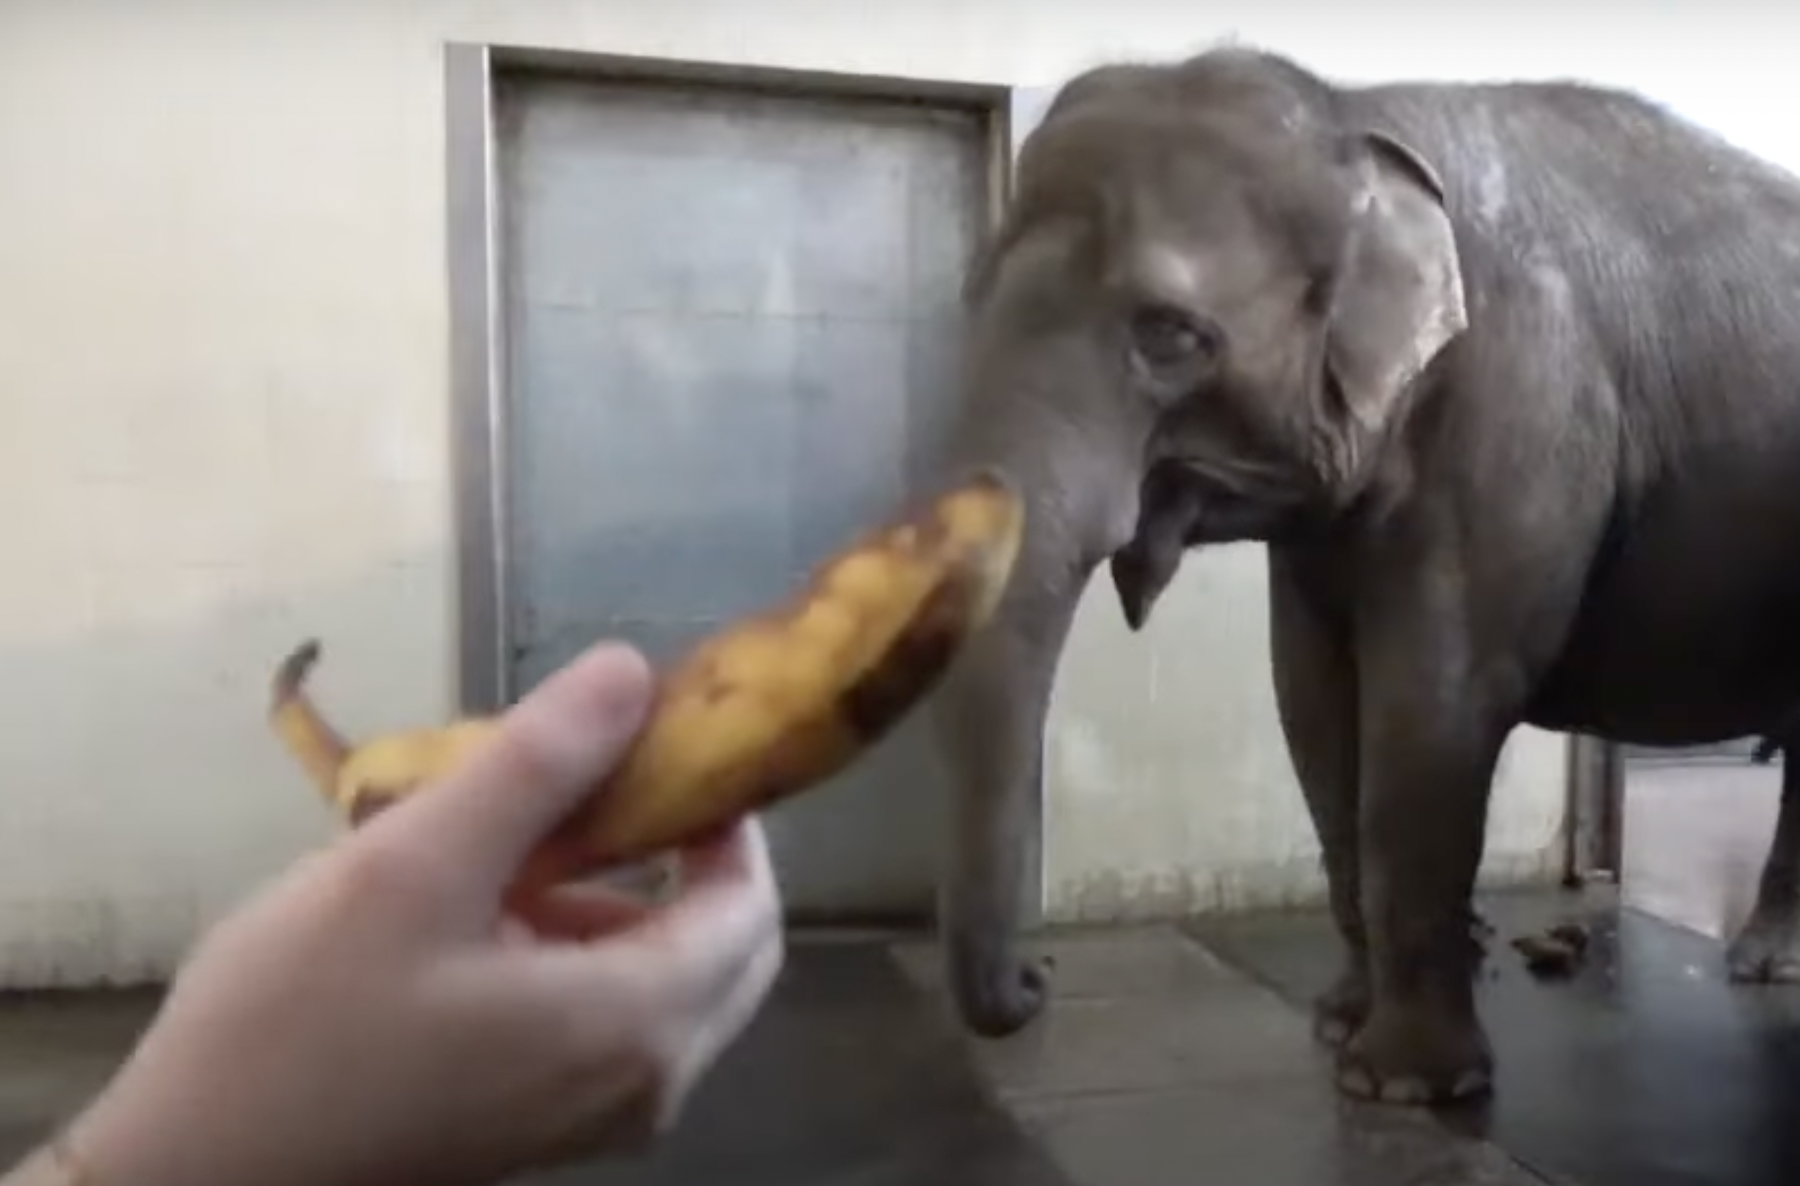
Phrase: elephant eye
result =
(1164, 336)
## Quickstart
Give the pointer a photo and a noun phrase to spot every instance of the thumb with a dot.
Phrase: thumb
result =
(550, 753)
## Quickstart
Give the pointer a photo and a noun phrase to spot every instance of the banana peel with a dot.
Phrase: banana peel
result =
(763, 710)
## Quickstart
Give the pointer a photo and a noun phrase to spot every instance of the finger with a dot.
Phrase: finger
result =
(736, 852)
(685, 955)
(515, 933)
(551, 752)
(725, 906)
(579, 913)
(694, 1044)
(733, 1013)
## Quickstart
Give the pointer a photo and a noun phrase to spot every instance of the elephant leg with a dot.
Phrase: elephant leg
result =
(1767, 949)
(1315, 693)
(1433, 718)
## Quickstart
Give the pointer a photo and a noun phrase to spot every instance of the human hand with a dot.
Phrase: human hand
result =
(378, 1016)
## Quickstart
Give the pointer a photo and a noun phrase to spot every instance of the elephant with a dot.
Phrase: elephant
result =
(1504, 377)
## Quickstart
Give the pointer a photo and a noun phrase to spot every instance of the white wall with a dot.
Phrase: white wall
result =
(223, 383)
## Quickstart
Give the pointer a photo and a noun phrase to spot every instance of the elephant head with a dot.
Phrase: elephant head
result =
(1203, 314)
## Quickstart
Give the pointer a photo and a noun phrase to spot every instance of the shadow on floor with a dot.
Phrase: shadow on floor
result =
(1646, 1068)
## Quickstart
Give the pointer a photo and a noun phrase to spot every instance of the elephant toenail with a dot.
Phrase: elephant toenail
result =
(1405, 1091)
(1470, 1083)
(1357, 1082)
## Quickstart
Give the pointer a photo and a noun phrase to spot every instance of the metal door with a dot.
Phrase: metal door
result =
(729, 318)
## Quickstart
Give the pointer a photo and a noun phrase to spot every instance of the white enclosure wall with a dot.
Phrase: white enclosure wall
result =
(223, 382)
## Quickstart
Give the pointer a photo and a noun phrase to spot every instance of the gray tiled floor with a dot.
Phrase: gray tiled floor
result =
(1156, 1063)
(1178, 1055)
(1646, 1068)
(1168, 1056)
(1278, 1130)
(1142, 1011)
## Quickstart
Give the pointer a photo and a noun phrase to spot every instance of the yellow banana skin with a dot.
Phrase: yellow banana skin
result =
(766, 708)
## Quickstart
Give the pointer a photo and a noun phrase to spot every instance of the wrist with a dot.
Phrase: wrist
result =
(52, 1163)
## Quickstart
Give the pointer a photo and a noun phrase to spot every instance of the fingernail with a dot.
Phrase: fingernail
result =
(611, 689)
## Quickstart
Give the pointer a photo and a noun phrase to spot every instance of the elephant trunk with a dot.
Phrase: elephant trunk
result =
(991, 714)
(996, 703)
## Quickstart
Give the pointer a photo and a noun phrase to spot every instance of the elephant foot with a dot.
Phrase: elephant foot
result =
(1000, 1005)
(1767, 950)
(1340, 1010)
(1416, 1057)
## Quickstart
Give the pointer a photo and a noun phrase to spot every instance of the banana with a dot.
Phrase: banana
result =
(766, 708)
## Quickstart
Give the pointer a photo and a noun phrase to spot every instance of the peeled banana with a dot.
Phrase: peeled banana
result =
(764, 709)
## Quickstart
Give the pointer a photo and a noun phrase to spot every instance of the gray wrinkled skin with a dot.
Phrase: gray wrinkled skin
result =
(1507, 377)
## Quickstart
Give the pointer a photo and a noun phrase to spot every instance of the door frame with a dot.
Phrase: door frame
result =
(1594, 813)
(1594, 833)
(482, 670)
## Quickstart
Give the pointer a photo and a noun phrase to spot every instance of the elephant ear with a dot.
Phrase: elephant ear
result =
(1398, 297)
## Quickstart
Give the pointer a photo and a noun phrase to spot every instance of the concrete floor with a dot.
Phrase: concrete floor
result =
(1644, 1068)
(1180, 1055)
(1157, 1063)
(1170, 1055)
